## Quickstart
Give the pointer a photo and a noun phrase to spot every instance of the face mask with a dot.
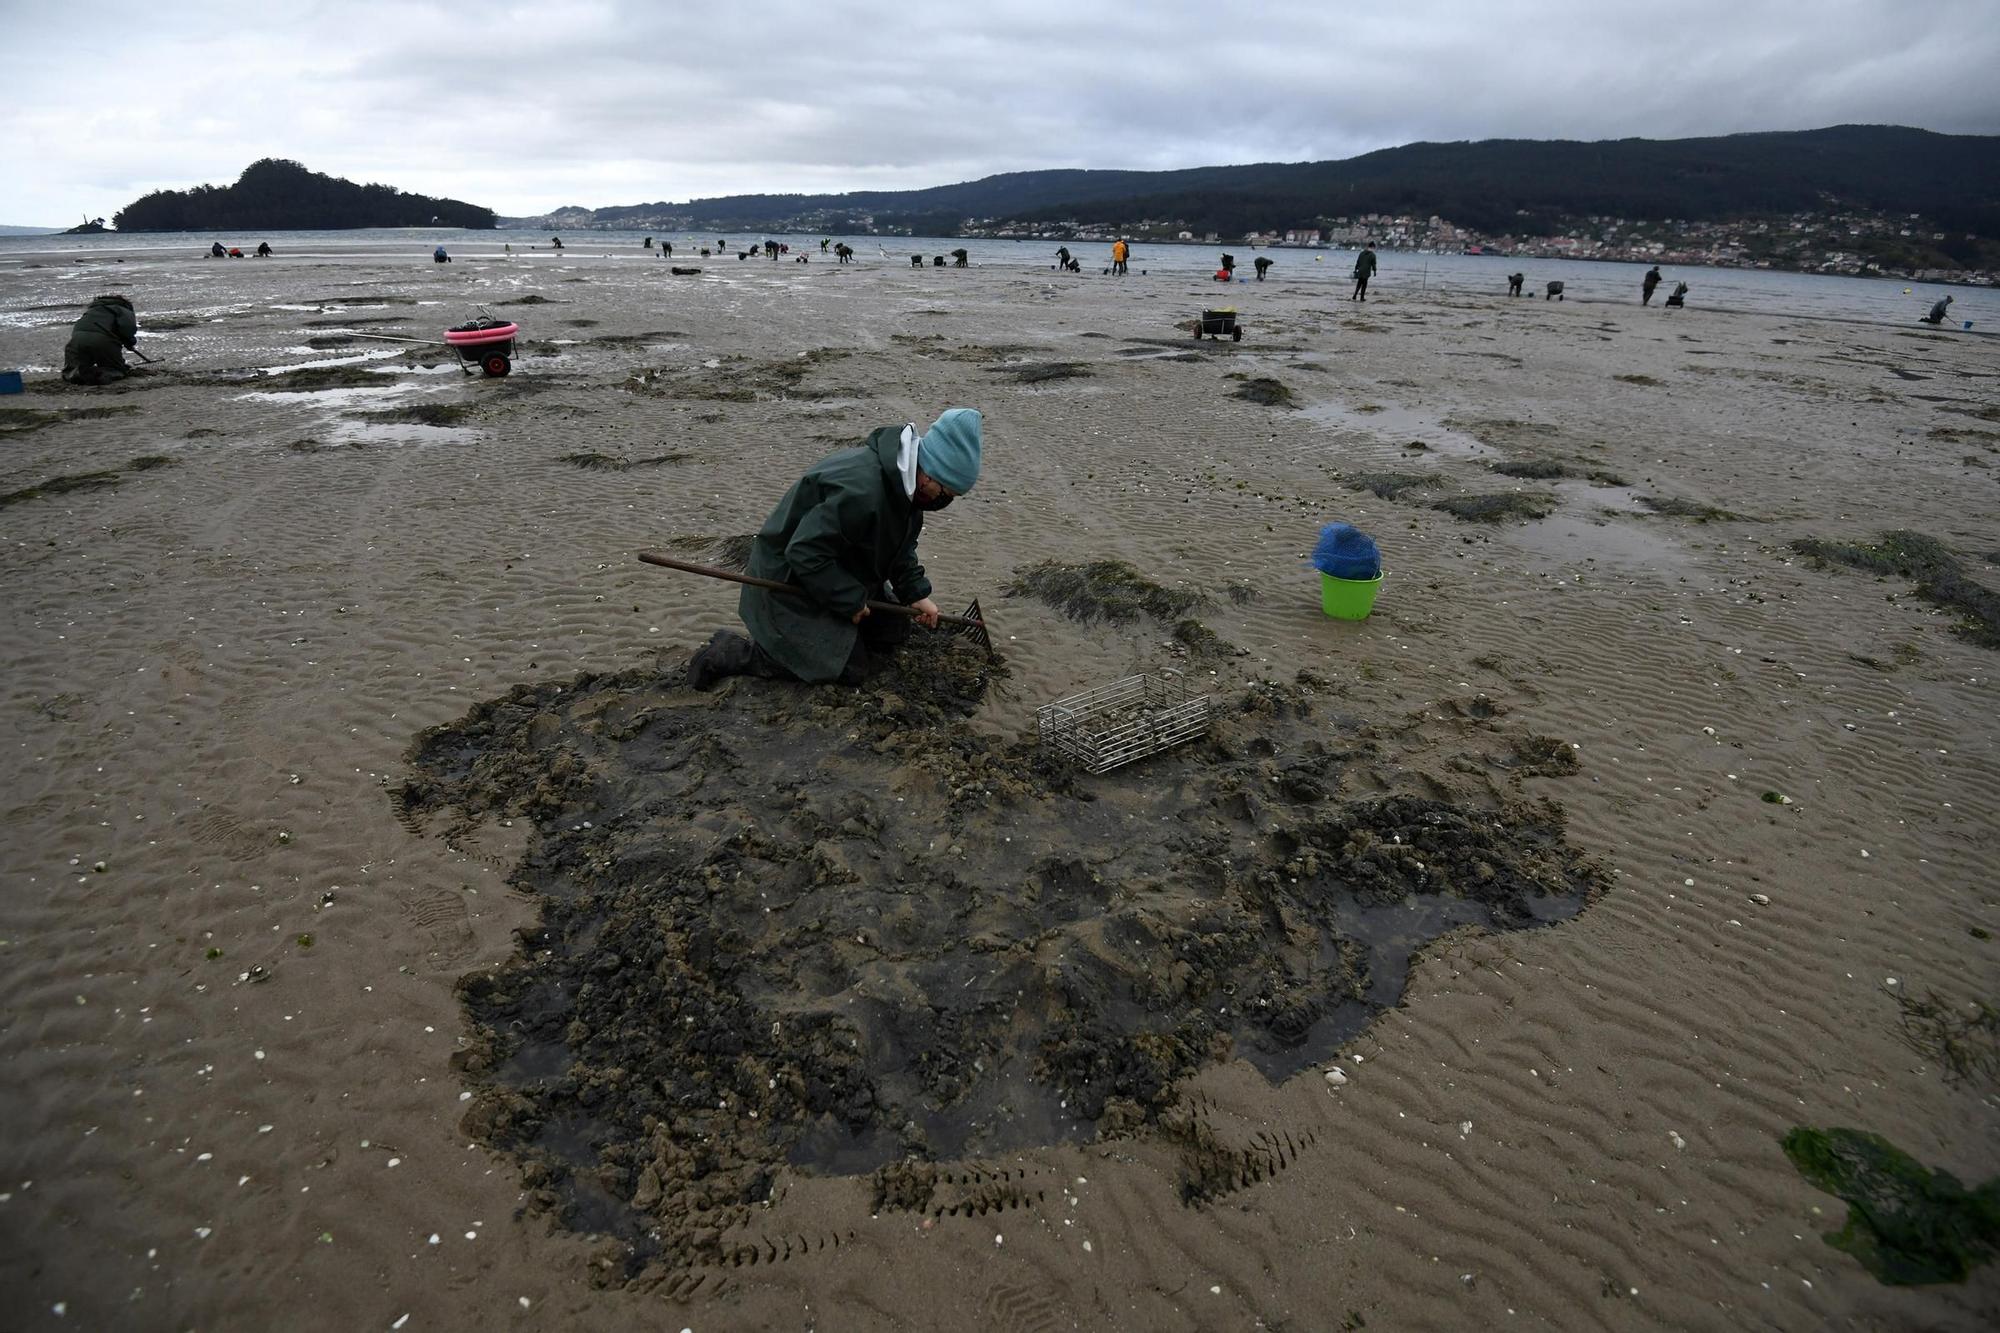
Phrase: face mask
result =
(943, 501)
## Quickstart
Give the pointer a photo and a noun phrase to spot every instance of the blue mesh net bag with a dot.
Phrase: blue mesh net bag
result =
(1346, 552)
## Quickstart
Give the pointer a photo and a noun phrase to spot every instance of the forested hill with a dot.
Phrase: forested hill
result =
(1495, 185)
(276, 195)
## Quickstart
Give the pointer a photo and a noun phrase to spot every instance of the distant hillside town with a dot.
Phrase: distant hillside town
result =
(1847, 199)
(1859, 244)
(1862, 244)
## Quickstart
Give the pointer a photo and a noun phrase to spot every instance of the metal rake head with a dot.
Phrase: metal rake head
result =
(971, 625)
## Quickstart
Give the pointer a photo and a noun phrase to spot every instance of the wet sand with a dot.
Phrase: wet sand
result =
(251, 969)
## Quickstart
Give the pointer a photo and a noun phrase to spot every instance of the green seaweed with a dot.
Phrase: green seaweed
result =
(1101, 590)
(1906, 1224)
(1939, 577)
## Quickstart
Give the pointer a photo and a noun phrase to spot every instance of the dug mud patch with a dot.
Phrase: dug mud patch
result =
(787, 928)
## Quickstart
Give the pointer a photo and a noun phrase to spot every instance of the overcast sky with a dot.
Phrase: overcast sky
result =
(527, 107)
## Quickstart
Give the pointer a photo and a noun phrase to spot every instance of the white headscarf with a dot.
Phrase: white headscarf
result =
(906, 459)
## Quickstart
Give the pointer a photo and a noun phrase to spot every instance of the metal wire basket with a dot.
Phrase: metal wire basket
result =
(1126, 720)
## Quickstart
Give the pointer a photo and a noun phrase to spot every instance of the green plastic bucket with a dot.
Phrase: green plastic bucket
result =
(1348, 599)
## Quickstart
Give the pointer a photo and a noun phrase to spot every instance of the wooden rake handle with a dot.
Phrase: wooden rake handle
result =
(733, 576)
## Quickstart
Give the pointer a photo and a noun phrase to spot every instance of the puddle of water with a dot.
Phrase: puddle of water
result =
(396, 432)
(1574, 538)
(1395, 427)
(345, 359)
(366, 393)
(1587, 496)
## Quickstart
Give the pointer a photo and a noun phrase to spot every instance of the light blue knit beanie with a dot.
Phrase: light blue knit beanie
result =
(950, 452)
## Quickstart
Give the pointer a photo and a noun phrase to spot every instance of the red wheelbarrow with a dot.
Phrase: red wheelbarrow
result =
(486, 342)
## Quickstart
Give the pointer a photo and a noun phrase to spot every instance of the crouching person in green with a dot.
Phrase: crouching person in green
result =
(93, 355)
(845, 533)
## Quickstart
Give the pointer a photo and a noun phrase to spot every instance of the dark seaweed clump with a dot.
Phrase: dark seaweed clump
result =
(787, 927)
(1534, 469)
(1109, 590)
(1266, 393)
(84, 481)
(1963, 1041)
(1907, 1224)
(24, 420)
(305, 379)
(1521, 506)
(1675, 507)
(591, 461)
(1042, 372)
(1200, 640)
(1389, 485)
(418, 414)
(1939, 577)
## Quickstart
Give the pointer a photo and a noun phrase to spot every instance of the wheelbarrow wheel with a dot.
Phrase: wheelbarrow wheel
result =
(1197, 330)
(1238, 335)
(496, 365)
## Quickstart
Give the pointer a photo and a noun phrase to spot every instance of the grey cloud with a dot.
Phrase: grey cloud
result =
(621, 102)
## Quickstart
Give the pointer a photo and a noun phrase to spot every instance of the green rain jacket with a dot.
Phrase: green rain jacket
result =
(842, 531)
(1365, 265)
(106, 326)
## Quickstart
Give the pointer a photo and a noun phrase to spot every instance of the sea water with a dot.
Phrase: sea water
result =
(1401, 274)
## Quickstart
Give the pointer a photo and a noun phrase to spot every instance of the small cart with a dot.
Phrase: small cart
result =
(485, 342)
(1216, 323)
